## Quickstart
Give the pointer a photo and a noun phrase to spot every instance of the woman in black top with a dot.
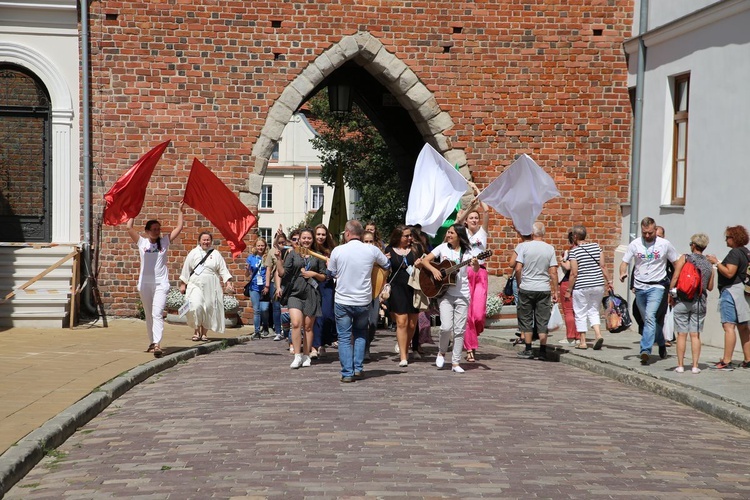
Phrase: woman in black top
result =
(401, 302)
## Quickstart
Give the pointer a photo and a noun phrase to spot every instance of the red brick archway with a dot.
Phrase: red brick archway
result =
(368, 52)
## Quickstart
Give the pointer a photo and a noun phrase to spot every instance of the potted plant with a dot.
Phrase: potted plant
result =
(175, 300)
(231, 307)
(494, 308)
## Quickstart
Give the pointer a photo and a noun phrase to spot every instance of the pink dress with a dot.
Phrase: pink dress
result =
(477, 293)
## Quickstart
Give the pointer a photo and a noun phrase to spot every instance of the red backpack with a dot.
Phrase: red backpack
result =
(690, 281)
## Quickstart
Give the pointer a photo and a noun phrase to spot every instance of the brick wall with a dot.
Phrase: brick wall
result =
(547, 78)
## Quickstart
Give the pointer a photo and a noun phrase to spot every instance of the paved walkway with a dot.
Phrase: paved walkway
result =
(45, 372)
(239, 423)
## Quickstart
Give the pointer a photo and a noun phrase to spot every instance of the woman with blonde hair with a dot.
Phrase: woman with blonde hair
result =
(689, 314)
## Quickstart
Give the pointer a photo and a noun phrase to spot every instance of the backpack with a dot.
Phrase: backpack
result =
(690, 281)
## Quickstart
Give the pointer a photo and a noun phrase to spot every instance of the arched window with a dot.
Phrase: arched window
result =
(25, 189)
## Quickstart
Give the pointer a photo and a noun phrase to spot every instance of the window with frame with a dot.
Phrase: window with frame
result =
(266, 196)
(680, 146)
(317, 197)
(265, 233)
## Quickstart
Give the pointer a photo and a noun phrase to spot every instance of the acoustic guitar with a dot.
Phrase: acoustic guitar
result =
(433, 288)
(378, 276)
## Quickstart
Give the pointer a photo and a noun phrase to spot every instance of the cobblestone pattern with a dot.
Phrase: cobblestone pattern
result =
(240, 423)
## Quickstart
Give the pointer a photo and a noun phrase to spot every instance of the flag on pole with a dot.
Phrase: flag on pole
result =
(125, 199)
(208, 195)
(436, 188)
(338, 218)
(520, 193)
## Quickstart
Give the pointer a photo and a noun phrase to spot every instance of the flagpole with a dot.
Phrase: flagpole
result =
(306, 187)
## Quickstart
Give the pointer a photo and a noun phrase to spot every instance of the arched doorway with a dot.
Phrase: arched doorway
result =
(25, 169)
(407, 117)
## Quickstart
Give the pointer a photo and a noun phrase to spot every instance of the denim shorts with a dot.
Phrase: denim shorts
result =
(726, 307)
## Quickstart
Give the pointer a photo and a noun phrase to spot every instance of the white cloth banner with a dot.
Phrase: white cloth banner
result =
(436, 189)
(520, 192)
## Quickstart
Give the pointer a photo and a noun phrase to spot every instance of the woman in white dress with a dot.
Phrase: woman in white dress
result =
(200, 283)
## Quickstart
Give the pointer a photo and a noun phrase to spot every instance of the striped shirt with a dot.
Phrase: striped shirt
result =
(588, 256)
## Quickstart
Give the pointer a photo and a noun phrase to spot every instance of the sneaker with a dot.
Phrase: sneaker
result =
(321, 351)
(278, 337)
(644, 358)
(598, 344)
(663, 352)
(397, 349)
(568, 342)
(440, 361)
(347, 380)
(696, 370)
(416, 355)
(265, 334)
(255, 336)
(680, 369)
(527, 354)
(306, 361)
(745, 364)
(457, 369)
(721, 365)
(314, 353)
(367, 355)
(297, 361)
(403, 363)
(359, 375)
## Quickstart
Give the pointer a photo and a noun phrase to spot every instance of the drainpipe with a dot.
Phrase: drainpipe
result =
(87, 292)
(635, 154)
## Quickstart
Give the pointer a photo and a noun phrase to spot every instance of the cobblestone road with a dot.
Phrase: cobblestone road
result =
(240, 423)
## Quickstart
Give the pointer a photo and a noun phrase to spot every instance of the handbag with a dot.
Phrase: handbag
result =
(420, 300)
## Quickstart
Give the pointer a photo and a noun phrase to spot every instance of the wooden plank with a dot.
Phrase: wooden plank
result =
(42, 274)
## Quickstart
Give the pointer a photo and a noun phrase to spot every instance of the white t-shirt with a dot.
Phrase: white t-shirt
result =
(444, 252)
(351, 264)
(537, 257)
(650, 260)
(478, 242)
(153, 261)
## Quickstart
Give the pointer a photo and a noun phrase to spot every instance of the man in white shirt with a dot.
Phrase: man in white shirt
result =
(351, 265)
(536, 274)
(649, 255)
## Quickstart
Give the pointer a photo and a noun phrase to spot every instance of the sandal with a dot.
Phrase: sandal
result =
(196, 338)
(150, 348)
(158, 353)
(204, 338)
(581, 348)
(470, 356)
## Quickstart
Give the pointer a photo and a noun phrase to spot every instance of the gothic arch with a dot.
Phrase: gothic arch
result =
(65, 174)
(388, 69)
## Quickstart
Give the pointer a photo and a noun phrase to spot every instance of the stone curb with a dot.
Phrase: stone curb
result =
(20, 458)
(730, 412)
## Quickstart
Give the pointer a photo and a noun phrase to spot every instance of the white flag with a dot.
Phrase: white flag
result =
(436, 189)
(520, 192)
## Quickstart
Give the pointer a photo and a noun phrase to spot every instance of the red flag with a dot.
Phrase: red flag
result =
(125, 199)
(212, 198)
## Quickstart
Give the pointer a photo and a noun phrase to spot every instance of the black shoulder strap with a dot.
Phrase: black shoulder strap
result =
(201, 262)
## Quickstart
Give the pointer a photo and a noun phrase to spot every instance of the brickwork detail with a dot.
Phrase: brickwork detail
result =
(483, 82)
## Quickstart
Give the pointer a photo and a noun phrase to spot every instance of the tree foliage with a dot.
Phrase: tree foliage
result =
(354, 142)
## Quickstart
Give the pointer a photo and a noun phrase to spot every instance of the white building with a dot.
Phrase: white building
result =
(696, 132)
(292, 186)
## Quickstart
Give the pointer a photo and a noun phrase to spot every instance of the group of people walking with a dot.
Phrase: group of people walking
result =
(318, 294)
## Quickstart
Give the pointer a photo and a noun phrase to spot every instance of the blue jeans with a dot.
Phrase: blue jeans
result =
(648, 302)
(260, 310)
(351, 325)
(275, 309)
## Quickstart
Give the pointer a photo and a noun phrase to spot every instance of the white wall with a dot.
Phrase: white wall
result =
(661, 12)
(717, 56)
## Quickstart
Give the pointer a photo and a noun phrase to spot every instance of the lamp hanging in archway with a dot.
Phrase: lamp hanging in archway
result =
(339, 98)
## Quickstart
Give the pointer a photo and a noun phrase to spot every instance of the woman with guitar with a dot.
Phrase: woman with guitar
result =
(401, 302)
(454, 303)
(476, 218)
(302, 273)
